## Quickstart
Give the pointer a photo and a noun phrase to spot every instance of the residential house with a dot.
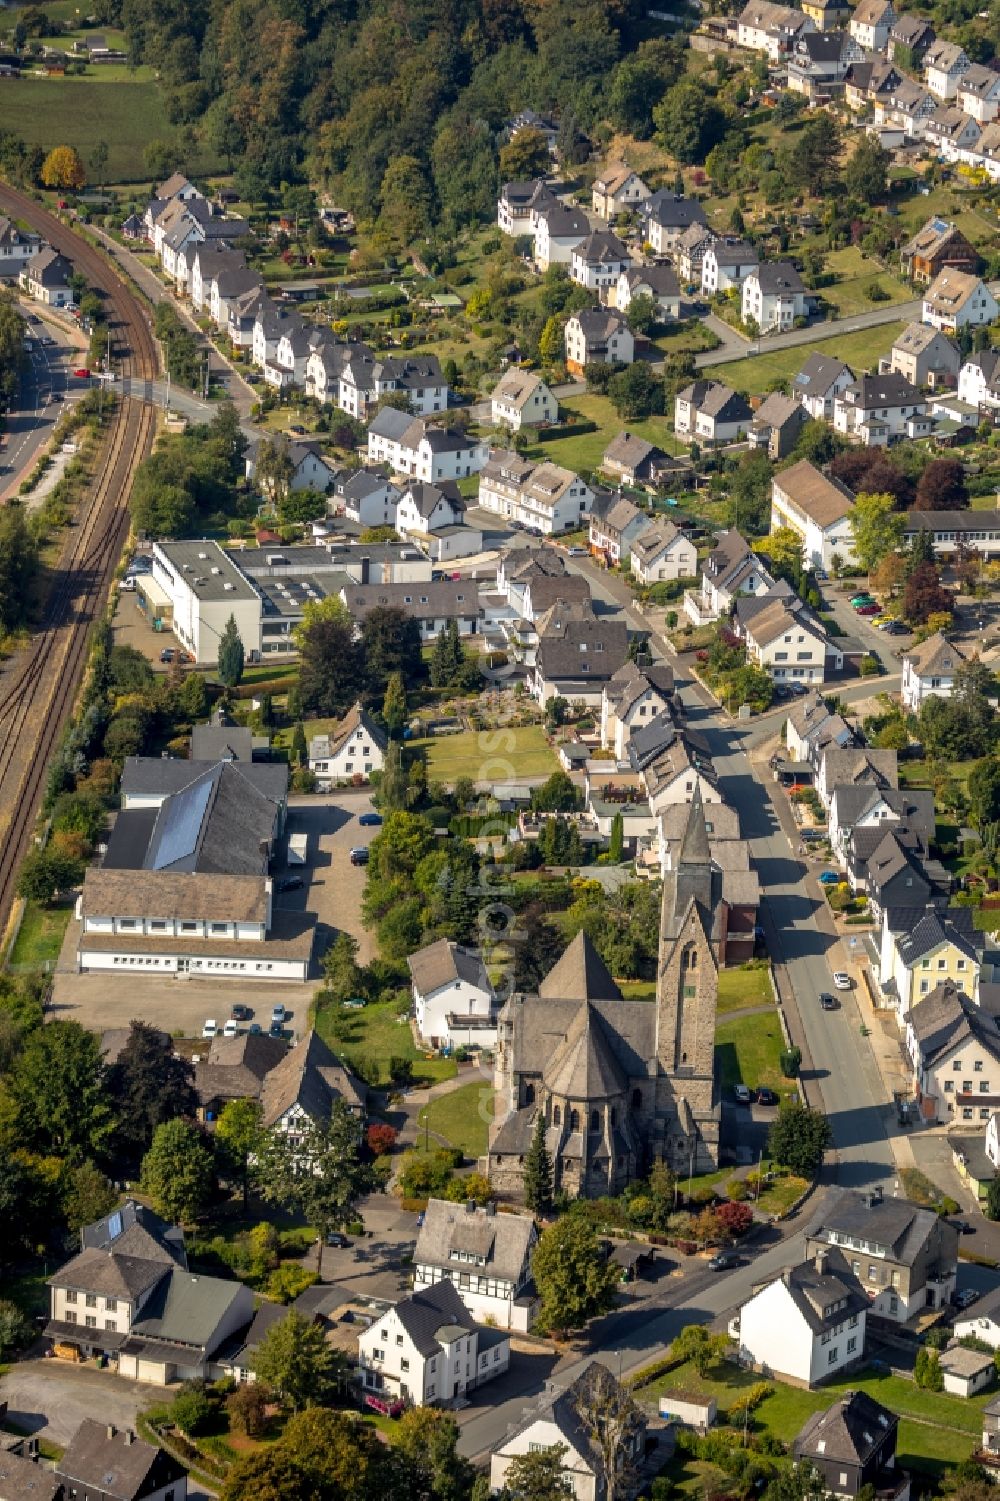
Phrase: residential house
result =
(894, 870)
(675, 765)
(819, 383)
(965, 1371)
(221, 739)
(982, 1321)
(559, 1420)
(545, 495)
(909, 39)
(634, 461)
(952, 133)
(819, 63)
(409, 445)
(301, 465)
(209, 260)
(597, 336)
(730, 569)
(665, 217)
(105, 1463)
(810, 727)
(979, 380)
(350, 753)
(957, 299)
(777, 424)
(557, 231)
(433, 606)
(924, 356)
(938, 245)
(46, 278)
(786, 643)
(877, 409)
(577, 653)
(368, 497)
(617, 191)
(429, 1349)
(866, 83)
(930, 668)
(631, 699)
(325, 366)
(904, 1257)
(661, 552)
(954, 1047)
(979, 93)
(453, 1001)
(534, 579)
(920, 949)
(522, 399)
(244, 311)
(906, 107)
(807, 1324)
(867, 808)
(817, 508)
(291, 356)
(614, 524)
(852, 1447)
(827, 15)
(945, 63)
(855, 767)
(485, 1255)
(726, 265)
(991, 1430)
(763, 26)
(871, 23)
(519, 202)
(527, 119)
(709, 412)
(304, 1086)
(270, 324)
(17, 247)
(689, 252)
(774, 296)
(658, 283)
(424, 509)
(234, 1069)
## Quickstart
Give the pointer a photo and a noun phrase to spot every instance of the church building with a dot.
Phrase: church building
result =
(619, 1083)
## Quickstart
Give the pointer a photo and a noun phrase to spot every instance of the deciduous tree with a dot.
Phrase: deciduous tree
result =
(296, 1361)
(538, 1475)
(876, 527)
(798, 1138)
(321, 1176)
(942, 487)
(178, 1172)
(149, 1084)
(611, 1420)
(60, 1091)
(574, 1280)
(238, 1131)
(925, 595)
(525, 155)
(331, 671)
(63, 168)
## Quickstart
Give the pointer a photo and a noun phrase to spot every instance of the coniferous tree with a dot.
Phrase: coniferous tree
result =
(538, 1171)
(230, 654)
(300, 750)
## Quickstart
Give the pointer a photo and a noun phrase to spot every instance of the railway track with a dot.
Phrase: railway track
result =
(38, 689)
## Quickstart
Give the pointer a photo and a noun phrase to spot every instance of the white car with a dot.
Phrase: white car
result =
(209, 1029)
(841, 980)
(231, 1029)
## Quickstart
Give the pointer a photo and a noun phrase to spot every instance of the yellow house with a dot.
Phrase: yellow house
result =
(827, 15)
(922, 950)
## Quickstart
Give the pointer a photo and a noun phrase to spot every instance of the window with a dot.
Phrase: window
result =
(430, 1392)
(556, 1115)
(574, 1120)
(595, 1120)
(399, 1339)
(831, 1358)
(219, 927)
(949, 1086)
(404, 1365)
(984, 1086)
(872, 1273)
(957, 1065)
(637, 1099)
(71, 1295)
(111, 1304)
(378, 1355)
(110, 1324)
(966, 1086)
(189, 927)
(967, 1113)
(70, 1316)
(91, 1321)
(91, 1300)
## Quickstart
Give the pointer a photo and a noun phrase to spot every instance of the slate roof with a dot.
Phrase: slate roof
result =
(850, 1432)
(134, 1229)
(778, 409)
(912, 806)
(825, 1297)
(580, 974)
(599, 248)
(954, 926)
(819, 374)
(630, 452)
(735, 252)
(630, 682)
(116, 1464)
(947, 1018)
(426, 1312)
(21, 1479)
(936, 656)
(566, 630)
(236, 1066)
(597, 324)
(357, 718)
(443, 597)
(854, 765)
(505, 1240)
(185, 1309)
(661, 280)
(671, 211)
(444, 962)
(898, 1226)
(49, 268)
(778, 279)
(560, 1407)
(310, 1076)
(583, 1066)
(716, 400)
(563, 222)
(888, 390)
(655, 539)
(113, 1273)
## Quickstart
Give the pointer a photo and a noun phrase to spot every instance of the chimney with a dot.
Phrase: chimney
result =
(129, 1437)
(820, 1262)
(873, 1197)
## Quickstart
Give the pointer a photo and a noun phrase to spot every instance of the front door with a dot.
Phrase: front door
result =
(458, 1384)
(183, 966)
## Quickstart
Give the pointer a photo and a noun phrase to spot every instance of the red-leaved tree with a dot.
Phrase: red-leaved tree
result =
(381, 1139)
(736, 1219)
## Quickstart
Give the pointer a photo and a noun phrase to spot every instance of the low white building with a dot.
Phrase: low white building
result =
(350, 753)
(774, 296)
(709, 412)
(428, 1349)
(807, 1325)
(957, 299)
(522, 399)
(930, 669)
(203, 588)
(485, 1255)
(409, 445)
(981, 1320)
(966, 1371)
(453, 1001)
(818, 509)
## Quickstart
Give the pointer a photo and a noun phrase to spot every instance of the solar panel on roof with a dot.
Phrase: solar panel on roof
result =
(115, 1225)
(183, 817)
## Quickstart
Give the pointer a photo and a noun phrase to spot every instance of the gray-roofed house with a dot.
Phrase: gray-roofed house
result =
(522, 399)
(852, 1445)
(577, 653)
(925, 356)
(774, 296)
(808, 1323)
(557, 230)
(711, 412)
(559, 1417)
(304, 1086)
(810, 728)
(46, 278)
(726, 265)
(453, 1000)
(615, 522)
(930, 670)
(598, 261)
(921, 948)
(954, 1047)
(22, 1476)
(235, 1069)
(981, 1320)
(413, 447)
(486, 1255)
(350, 753)
(905, 1257)
(662, 551)
(634, 460)
(105, 1463)
(658, 283)
(777, 423)
(877, 409)
(632, 698)
(856, 767)
(425, 509)
(666, 216)
(180, 1326)
(597, 336)
(307, 469)
(428, 1349)
(432, 605)
(618, 1083)
(819, 383)
(730, 570)
(866, 808)
(222, 739)
(896, 870)
(368, 497)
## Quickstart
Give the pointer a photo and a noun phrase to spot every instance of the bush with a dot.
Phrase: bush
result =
(247, 1409)
(736, 1190)
(285, 1284)
(191, 1412)
(381, 1139)
(736, 1219)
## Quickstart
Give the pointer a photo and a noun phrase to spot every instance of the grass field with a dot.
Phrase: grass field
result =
(856, 274)
(739, 988)
(50, 111)
(376, 1034)
(463, 1117)
(585, 451)
(488, 756)
(747, 1049)
(41, 934)
(860, 350)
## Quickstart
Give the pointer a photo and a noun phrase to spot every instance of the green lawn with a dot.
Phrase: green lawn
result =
(758, 372)
(586, 450)
(856, 274)
(463, 1117)
(41, 934)
(488, 755)
(740, 988)
(49, 111)
(747, 1049)
(377, 1035)
(638, 990)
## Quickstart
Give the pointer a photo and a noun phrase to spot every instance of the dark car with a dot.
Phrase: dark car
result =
(297, 429)
(359, 855)
(291, 883)
(167, 654)
(276, 1029)
(724, 1261)
(336, 1239)
(241, 1013)
(371, 820)
(870, 610)
(963, 1227)
(827, 1001)
(766, 1097)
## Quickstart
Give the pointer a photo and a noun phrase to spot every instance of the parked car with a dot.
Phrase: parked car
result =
(336, 1239)
(742, 1093)
(724, 1261)
(577, 552)
(82, 373)
(963, 1227)
(209, 1029)
(291, 883)
(242, 1013)
(278, 1013)
(880, 620)
(359, 855)
(167, 654)
(896, 629)
(766, 1096)
(371, 820)
(256, 1029)
(231, 1029)
(965, 1296)
(297, 429)
(868, 610)
(841, 979)
(864, 598)
(827, 1002)
(276, 1030)
(829, 878)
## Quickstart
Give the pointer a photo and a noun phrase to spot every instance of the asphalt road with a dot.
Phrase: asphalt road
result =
(30, 423)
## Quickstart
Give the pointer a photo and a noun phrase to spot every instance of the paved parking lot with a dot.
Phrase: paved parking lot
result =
(335, 885)
(52, 1397)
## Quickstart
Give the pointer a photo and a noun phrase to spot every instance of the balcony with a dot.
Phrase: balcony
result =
(696, 611)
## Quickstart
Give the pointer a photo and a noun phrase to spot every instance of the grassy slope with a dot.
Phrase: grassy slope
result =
(51, 111)
(859, 350)
(492, 756)
(375, 1033)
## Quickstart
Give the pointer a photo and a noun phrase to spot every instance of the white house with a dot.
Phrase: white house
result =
(709, 412)
(103, 1461)
(957, 299)
(46, 278)
(689, 252)
(877, 409)
(920, 951)
(954, 1048)
(945, 63)
(786, 643)
(666, 216)
(819, 383)
(806, 1325)
(429, 1349)
(432, 605)
(726, 265)
(520, 202)
(966, 1371)
(810, 727)
(350, 753)
(730, 569)
(871, 23)
(979, 380)
(522, 399)
(597, 336)
(632, 698)
(867, 806)
(663, 552)
(597, 262)
(424, 508)
(485, 1255)
(763, 26)
(774, 296)
(855, 766)
(453, 1000)
(617, 190)
(930, 668)
(979, 93)
(307, 468)
(817, 508)
(981, 1320)
(545, 495)
(659, 283)
(17, 247)
(557, 231)
(368, 497)
(409, 445)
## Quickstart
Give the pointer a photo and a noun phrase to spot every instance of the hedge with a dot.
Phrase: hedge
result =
(266, 685)
(565, 430)
(471, 825)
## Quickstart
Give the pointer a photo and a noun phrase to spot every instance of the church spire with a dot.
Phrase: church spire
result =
(694, 845)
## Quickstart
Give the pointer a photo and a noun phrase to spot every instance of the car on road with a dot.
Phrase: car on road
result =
(724, 1261)
(963, 1227)
(82, 373)
(826, 1001)
(965, 1296)
(742, 1093)
(371, 820)
(336, 1239)
(209, 1029)
(841, 979)
(829, 878)
(577, 552)
(167, 654)
(360, 855)
(291, 883)
(242, 1013)
(880, 620)
(232, 1028)
(869, 609)
(278, 1013)
(895, 629)
(798, 690)
(766, 1096)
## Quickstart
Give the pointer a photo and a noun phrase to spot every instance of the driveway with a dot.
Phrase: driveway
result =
(52, 1397)
(336, 886)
